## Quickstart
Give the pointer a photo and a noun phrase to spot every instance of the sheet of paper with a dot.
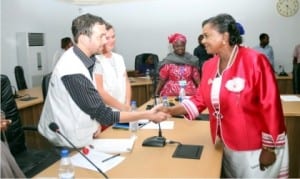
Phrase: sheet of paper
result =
(143, 121)
(96, 157)
(163, 125)
(289, 98)
(113, 145)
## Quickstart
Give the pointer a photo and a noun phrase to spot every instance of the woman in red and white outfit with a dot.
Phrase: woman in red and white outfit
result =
(178, 67)
(239, 89)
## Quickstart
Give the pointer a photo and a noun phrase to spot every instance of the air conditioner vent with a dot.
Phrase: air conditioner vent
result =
(36, 39)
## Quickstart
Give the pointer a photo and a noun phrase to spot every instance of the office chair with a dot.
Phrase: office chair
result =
(30, 161)
(20, 79)
(140, 59)
(154, 73)
(45, 84)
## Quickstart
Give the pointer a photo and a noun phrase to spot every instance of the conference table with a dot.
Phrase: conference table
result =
(30, 113)
(291, 110)
(141, 89)
(157, 162)
(285, 83)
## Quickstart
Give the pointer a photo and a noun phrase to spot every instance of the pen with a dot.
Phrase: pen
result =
(107, 159)
(143, 124)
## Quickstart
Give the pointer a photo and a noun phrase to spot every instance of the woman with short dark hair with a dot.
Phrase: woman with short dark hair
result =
(239, 89)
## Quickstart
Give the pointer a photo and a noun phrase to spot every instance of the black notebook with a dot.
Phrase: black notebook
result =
(188, 151)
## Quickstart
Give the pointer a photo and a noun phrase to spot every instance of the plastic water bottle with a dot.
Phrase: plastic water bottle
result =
(156, 100)
(165, 101)
(66, 170)
(181, 93)
(148, 73)
(133, 125)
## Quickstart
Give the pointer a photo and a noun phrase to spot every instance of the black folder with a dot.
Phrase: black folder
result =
(188, 151)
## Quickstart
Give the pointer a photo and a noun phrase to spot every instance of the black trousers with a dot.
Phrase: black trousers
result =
(296, 78)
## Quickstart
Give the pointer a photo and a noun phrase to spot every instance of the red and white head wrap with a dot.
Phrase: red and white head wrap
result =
(176, 37)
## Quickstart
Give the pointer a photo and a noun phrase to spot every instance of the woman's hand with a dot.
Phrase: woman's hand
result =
(267, 157)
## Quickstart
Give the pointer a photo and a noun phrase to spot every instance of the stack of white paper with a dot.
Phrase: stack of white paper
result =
(113, 145)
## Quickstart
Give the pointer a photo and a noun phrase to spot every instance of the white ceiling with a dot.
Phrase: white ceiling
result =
(95, 2)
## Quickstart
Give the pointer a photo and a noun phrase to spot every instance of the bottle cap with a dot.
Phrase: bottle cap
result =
(64, 152)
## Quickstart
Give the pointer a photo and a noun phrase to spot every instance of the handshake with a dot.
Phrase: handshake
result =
(158, 113)
(166, 112)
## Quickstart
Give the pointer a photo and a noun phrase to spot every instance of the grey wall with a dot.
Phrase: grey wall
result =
(143, 26)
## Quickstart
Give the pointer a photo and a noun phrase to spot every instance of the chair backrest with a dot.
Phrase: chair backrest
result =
(20, 79)
(140, 59)
(15, 133)
(45, 84)
(31, 161)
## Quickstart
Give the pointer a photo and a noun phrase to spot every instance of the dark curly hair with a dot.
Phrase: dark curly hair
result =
(226, 23)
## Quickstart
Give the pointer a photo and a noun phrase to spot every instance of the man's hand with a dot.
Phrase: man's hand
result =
(158, 114)
(4, 123)
(126, 107)
(97, 133)
(161, 108)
